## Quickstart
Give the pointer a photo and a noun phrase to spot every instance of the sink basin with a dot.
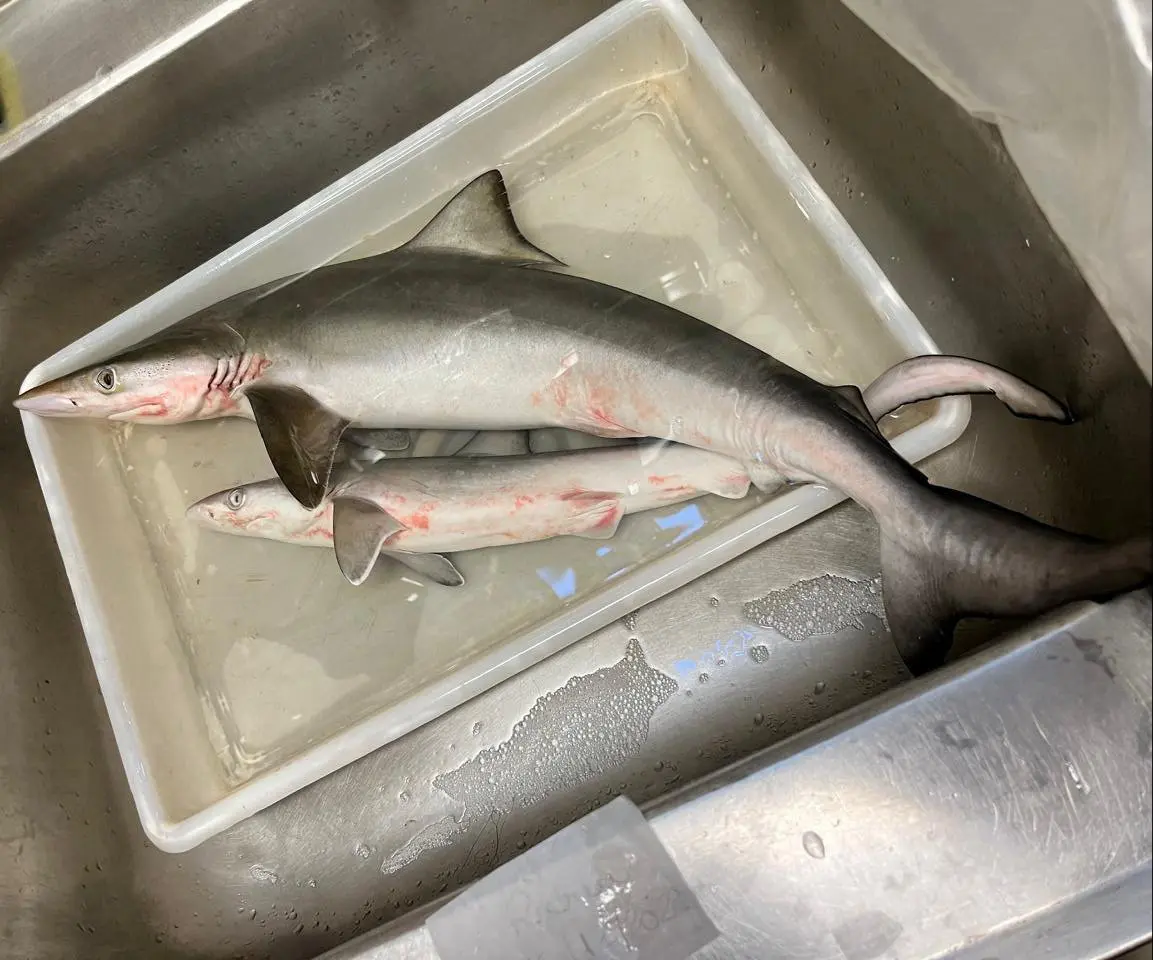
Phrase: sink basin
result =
(223, 697)
(236, 124)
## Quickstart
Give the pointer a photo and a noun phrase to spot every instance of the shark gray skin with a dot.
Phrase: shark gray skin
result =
(468, 326)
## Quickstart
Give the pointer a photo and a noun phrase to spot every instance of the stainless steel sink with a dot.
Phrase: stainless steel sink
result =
(175, 160)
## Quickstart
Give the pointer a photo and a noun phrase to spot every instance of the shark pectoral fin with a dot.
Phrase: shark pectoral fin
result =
(479, 221)
(595, 514)
(359, 530)
(441, 443)
(432, 566)
(386, 441)
(301, 438)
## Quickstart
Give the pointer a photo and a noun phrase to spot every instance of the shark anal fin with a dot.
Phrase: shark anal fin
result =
(765, 478)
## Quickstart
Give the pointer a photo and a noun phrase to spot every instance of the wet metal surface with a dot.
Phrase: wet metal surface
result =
(999, 808)
(273, 103)
(70, 50)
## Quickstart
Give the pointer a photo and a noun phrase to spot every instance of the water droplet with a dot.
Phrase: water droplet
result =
(714, 601)
(477, 728)
(403, 796)
(363, 850)
(758, 719)
(1075, 776)
(813, 844)
(820, 686)
(262, 874)
(703, 678)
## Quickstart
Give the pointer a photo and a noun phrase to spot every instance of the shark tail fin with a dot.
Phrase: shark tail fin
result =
(967, 557)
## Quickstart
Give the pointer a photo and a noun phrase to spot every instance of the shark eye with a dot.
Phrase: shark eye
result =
(105, 379)
(235, 498)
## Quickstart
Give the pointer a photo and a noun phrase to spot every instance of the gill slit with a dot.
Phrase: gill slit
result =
(235, 370)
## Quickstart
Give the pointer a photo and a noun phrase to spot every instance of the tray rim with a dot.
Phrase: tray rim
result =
(661, 576)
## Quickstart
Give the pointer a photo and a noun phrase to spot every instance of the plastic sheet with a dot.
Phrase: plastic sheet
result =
(1068, 84)
(603, 887)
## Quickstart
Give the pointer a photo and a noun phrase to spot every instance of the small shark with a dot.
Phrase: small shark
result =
(416, 509)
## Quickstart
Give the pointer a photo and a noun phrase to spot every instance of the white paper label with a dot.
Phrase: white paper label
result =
(603, 888)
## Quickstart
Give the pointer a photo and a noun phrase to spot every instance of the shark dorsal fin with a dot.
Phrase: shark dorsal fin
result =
(479, 221)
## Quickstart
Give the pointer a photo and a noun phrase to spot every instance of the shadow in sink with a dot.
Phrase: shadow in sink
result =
(977, 262)
(67, 886)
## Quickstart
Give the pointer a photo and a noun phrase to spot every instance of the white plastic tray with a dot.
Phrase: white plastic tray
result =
(238, 671)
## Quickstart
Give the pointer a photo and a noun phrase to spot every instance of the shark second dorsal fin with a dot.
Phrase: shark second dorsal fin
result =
(479, 221)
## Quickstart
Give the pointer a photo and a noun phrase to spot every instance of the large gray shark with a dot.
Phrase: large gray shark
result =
(469, 326)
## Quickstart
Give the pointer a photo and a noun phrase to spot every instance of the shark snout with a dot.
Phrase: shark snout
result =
(205, 513)
(49, 403)
(211, 512)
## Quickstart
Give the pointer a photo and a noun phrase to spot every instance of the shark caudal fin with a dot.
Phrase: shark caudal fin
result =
(956, 556)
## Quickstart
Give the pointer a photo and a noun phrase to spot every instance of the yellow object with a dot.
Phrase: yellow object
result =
(11, 109)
